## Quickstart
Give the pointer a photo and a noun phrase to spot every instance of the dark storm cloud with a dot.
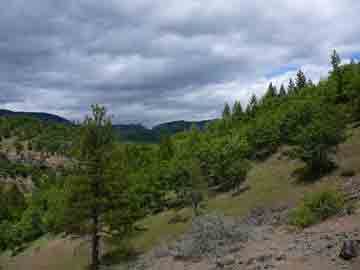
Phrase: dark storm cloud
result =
(154, 61)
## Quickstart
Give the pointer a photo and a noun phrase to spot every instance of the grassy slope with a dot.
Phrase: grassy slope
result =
(271, 184)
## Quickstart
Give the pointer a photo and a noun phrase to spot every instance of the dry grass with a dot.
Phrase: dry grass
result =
(49, 254)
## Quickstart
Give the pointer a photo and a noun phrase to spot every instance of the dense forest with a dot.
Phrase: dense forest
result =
(110, 185)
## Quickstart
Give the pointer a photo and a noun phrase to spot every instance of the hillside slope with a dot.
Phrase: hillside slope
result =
(272, 185)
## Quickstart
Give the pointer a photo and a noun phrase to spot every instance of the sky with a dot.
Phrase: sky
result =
(153, 61)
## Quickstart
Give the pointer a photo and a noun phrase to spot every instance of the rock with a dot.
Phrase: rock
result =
(349, 250)
(264, 258)
(281, 257)
(226, 261)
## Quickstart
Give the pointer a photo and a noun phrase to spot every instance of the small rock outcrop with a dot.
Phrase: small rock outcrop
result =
(349, 250)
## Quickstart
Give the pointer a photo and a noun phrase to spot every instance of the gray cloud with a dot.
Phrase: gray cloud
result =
(155, 61)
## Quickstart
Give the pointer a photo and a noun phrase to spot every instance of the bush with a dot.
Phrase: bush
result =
(317, 207)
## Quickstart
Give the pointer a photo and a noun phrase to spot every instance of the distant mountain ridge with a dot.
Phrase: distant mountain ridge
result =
(139, 133)
(37, 115)
(127, 132)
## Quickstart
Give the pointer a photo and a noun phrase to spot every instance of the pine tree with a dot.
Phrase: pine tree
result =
(300, 80)
(335, 61)
(338, 74)
(271, 91)
(291, 87)
(238, 112)
(98, 199)
(252, 106)
(282, 91)
(253, 101)
(226, 112)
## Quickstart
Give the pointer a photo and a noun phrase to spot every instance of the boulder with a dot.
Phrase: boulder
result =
(349, 250)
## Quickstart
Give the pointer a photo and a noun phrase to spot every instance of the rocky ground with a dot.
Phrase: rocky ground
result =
(253, 244)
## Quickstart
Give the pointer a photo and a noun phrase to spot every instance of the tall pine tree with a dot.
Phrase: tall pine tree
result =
(291, 87)
(238, 112)
(99, 200)
(300, 80)
(252, 106)
(338, 75)
(282, 91)
(226, 112)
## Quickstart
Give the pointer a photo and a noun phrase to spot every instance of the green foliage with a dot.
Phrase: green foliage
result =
(282, 91)
(99, 195)
(226, 112)
(317, 207)
(237, 112)
(264, 135)
(300, 80)
(316, 140)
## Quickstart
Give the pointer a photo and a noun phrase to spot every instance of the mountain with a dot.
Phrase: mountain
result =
(179, 126)
(139, 133)
(127, 132)
(135, 133)
(38, 115)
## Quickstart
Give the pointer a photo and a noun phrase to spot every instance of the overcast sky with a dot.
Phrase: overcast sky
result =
(151, 61)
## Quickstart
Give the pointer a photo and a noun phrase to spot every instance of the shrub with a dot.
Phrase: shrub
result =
(317, 207)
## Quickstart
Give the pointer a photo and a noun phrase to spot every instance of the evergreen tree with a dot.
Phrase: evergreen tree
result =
(300, 80)
(226, 112)
(271, 91)
(282, 91)
(253, 102)
(98, 196)
(252, 106)
(291, 87)
(335, 61)
(238, 112)
(338, 75)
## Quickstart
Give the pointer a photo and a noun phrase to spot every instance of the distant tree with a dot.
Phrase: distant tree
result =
(252, 106)
(338, 75)
(226, 112)
(271, 91)
(301, 81)
(291, 87)
(282, 91)
(238, 112)
(335, 60)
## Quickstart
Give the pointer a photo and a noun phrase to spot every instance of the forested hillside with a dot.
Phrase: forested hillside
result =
(112, 187)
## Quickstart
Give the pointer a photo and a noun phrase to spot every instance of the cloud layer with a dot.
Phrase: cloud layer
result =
(156, 61)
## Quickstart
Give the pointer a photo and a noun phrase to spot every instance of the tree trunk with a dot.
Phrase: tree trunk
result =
(95, 262)
(95, 256)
